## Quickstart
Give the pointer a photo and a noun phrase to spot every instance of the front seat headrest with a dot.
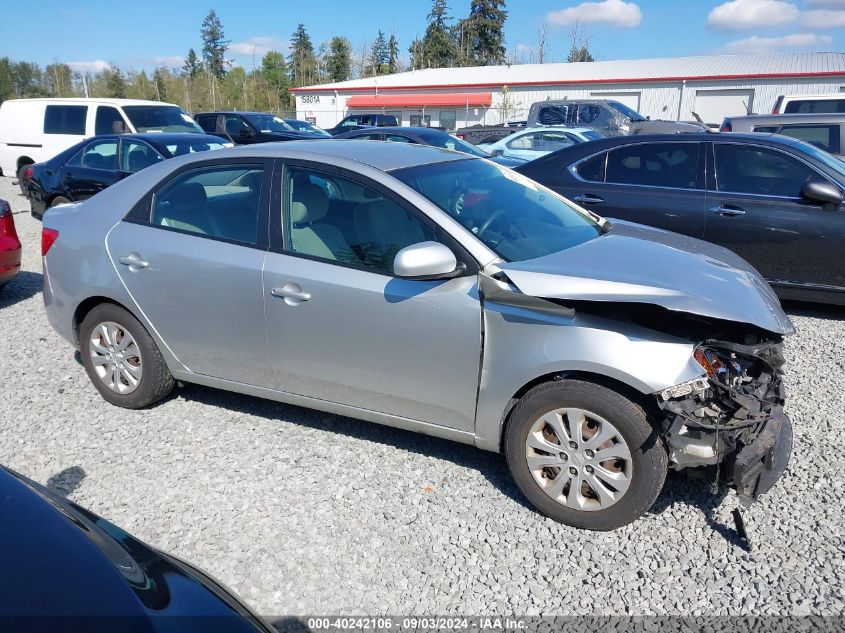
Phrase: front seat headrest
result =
(186, 197)
(252, 180)
(309, 203)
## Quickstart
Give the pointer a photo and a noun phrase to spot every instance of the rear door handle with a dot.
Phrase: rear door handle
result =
(727, 210)
(134, 261)
(588, 198)
(291, 293)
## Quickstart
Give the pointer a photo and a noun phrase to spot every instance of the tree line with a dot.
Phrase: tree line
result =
(207, 79)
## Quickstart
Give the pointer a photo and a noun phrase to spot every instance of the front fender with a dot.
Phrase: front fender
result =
(523, 343)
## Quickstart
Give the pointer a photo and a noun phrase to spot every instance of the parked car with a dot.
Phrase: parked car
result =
(425, 136)
(774, 200)
(435, 292)
(245, 128)
(534, 142)
(35, 130)
(831, 103)
(119, 583)
(488, 134)
(826, 131)
(10, 245)
(358, 121)
(306, 128)
(609, 117)
(94, 164)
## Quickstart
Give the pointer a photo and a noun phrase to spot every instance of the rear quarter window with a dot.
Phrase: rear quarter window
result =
(825, 137)
(592, 169)
(65, 119)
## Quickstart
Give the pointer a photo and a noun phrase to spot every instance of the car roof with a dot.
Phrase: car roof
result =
(159, 137)
(383, 156)
(819, 117)
(94, 100)
(234, 112)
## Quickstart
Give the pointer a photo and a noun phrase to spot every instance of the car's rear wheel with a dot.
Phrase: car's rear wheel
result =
(121, 358)
(58, 200)
(584, 455)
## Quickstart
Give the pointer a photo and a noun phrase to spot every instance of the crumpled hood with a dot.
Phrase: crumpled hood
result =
(640, 264)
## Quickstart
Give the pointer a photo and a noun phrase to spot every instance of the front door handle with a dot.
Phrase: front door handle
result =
(588, 198)
(727, 210)
(134, 261)
(291, 293)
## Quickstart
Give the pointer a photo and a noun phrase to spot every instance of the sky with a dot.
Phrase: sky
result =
(142, 35)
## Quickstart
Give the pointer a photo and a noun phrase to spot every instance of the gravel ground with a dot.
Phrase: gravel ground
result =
(303, 512)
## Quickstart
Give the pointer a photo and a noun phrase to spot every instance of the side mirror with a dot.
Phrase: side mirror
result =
(822, 191)
(245, 131)
(118, 127)
(497, 152)
(426, 260)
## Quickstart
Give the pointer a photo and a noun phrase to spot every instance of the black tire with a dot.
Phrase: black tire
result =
(58, 200)
(648, 455)
(155, 383)
(22, 178)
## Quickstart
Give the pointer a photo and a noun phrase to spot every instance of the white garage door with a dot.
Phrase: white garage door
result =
(714, 105)
(630, 99)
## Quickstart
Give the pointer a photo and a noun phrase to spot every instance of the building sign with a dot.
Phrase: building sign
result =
(310, 98)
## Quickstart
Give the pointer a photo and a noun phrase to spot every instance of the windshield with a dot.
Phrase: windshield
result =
(591, 135)
(306, 128)
(628, 112)
(514, 216)
(269, 123)
(447, 141)
(161, 118)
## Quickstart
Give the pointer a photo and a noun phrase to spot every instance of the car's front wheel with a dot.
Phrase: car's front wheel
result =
(584, 454)
(122, 359)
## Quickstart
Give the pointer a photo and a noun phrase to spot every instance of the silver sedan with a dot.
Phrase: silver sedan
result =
(429, 290)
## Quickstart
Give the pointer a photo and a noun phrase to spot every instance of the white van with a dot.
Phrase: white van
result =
(35, 130)
(833, 103)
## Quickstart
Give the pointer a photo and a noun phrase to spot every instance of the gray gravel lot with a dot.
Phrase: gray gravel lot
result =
(303, 512)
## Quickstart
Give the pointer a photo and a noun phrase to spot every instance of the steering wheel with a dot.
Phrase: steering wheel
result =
(489, 221)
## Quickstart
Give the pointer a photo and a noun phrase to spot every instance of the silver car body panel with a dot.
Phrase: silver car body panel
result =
(443, 358)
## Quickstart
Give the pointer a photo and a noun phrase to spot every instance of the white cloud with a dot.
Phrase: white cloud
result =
(794, 42)
(93, 66)
(738, 15)
(258, 46)
(169, 61)
(612, 12)
(823, 19)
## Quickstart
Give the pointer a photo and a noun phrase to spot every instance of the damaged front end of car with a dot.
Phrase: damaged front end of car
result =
(732, 419)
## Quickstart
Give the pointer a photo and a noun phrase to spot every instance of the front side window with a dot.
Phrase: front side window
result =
(160, 118)
(109, 121)
(97, 155)
(235, 125)
(221, 201)
(135, 156)
(552, 141)
(350, 120)
(825, 137)
(654, 164)
(514, 216)
(523, 142)
(65, 119)
(269, 123)
(588, 113)
(756, 170)
(348, 223)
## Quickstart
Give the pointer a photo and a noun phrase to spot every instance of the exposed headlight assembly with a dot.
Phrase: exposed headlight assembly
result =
(696, 385)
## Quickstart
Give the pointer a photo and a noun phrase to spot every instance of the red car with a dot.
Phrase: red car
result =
(10, 245)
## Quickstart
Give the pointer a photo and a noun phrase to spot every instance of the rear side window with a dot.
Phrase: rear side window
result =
(559, 114)
(109, 121)
(208, 122)
(815, 106)
(654, 164)
(220, 202)
(825, 137)
(97, 155)
(756, 170)
(592, 169)
(765, 129)
(65, 119)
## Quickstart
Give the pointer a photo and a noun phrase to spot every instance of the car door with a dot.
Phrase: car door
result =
(659, 184)
(92, 169)
(190, 255)
(521, 146)
(755, 208)
(240, 131)
(342, 328)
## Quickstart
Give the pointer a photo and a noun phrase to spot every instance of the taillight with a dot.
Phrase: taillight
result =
(7, 222)
(726, 126)
(48, 238)
(776, 109)
(460, 136)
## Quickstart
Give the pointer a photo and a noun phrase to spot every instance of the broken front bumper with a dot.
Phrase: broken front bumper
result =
(760, 464)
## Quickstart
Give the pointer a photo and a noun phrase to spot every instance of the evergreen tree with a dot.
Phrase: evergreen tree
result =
(7, 85)
(339, 59)
(303, 62)
(437, 47)
(275, 73)
(580, 49)
(392, 54)
(485, 28)
(380, 55)
(160, 81)
(214, 45)
(192, 66)
(115, 83)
